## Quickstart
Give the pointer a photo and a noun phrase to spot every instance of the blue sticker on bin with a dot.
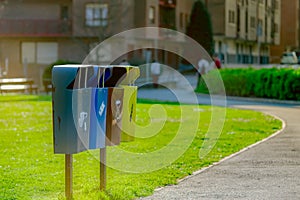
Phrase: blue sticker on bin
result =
(98, 121)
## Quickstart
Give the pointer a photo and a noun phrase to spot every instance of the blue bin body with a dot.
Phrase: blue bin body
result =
(64, 131)
(76, 125)
(87, 106)
(98, 121)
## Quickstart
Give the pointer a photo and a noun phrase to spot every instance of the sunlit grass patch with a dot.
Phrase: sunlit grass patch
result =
(30, 170)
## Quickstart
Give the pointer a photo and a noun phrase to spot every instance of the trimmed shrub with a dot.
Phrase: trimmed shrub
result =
(283, 84)
(47, 74)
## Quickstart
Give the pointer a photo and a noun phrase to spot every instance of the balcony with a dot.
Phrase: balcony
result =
(35, 28)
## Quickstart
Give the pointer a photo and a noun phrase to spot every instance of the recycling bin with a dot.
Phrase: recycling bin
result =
(124, 77)
(114, 116)
(129, 113)
(77, 126)
(88, 106)
(121, 77)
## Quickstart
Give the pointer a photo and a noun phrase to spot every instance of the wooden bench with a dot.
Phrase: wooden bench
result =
(47, 85)
(17, 85)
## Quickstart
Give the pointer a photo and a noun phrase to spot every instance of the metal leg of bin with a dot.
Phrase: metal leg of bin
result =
(103, 169)
(68, 176)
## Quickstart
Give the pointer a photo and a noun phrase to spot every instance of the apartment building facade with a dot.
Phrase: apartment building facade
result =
(35, 33)
(289, 30)
(244, 30)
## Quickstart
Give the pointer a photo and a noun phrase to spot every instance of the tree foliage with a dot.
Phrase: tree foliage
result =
(200, 26)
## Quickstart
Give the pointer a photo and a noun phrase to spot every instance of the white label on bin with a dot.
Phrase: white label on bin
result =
(101, 109)
(118, 110)
(82, 120)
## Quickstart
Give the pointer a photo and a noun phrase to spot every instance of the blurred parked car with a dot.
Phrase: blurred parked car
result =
(289, 58)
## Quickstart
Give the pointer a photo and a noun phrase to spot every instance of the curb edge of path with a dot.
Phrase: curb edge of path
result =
(253, 99)
(234, 154)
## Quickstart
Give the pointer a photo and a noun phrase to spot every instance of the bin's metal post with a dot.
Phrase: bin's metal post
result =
(68, 176)
(102, 150)
(103, 169)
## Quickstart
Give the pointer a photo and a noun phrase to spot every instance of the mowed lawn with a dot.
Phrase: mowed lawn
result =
(30, 170)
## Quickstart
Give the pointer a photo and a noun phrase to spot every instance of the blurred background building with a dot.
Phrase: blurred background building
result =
(35, 33)
(244, 30)
(289, 30)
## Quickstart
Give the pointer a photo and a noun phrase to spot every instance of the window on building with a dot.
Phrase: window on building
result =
(96, 14)
(231, 17)
(266, 26)
(238, 20)
(187, 19)
(260, 23)
(276, 29)
(46, 52)
(151, 15)
(259, 31)
(252, 22)
(64, 12)
(28, 52)
(276, 4)
(181, 20)
(39, 52)
(167, 15)
(246, 21)
(237, 50)
(220, 50)
(250, 54)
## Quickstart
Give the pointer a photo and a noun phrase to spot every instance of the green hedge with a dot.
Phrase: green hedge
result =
(283, 84)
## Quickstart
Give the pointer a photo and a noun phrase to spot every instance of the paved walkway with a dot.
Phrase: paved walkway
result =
(270, 170)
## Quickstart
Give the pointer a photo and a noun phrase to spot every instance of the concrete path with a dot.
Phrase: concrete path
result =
(269, 170)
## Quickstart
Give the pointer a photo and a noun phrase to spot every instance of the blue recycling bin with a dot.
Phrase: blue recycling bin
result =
(64, 131)
(75, 124)
(88, 106)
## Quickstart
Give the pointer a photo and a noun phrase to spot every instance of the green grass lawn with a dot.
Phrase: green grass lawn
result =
(30, 170)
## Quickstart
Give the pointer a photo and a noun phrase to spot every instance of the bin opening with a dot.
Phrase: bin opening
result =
(117, 75)
(90, 76)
